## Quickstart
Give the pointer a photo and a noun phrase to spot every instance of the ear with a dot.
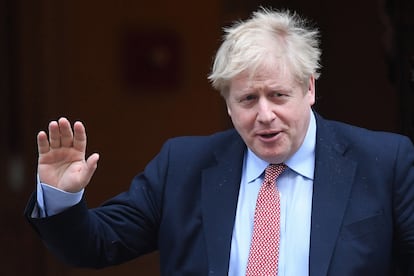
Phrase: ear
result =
(311, 90)
(228, 109)
(226, 100)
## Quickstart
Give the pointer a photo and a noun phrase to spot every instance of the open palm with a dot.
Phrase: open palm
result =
(62, 162)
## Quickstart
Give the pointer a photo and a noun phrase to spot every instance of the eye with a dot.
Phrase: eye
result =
(278, 94)
(279, 97)
(248, 98)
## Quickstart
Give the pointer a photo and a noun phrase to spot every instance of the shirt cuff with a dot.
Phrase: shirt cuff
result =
(51, 200)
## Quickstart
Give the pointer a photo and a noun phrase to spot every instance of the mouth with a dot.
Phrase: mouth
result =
(268, 135)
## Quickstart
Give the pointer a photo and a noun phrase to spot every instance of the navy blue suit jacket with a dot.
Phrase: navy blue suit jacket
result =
(184, 205)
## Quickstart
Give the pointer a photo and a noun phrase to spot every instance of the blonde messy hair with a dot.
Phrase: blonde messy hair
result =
(248, 44)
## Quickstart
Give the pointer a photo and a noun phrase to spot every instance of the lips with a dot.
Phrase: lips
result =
(268, 134)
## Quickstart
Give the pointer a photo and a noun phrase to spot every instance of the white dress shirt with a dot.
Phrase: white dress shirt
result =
(295, 188)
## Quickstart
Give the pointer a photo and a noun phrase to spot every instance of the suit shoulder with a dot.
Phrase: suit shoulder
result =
(353, 130)
(207, 142)
(366, 137)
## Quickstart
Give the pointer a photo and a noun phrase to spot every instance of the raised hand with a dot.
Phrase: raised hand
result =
(62, 162)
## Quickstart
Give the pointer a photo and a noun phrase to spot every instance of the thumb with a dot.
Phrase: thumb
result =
(92, 164)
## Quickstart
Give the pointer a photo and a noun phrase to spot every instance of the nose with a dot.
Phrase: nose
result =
(265, 112)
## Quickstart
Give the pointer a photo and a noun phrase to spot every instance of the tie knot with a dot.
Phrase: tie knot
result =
(273, 171)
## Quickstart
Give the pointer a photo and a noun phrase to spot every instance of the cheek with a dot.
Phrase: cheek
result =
(293, 118)
(241, 118)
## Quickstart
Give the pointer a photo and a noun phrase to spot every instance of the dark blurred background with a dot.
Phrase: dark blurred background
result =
(135, 74)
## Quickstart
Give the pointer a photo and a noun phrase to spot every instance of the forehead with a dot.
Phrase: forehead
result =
(270, 74)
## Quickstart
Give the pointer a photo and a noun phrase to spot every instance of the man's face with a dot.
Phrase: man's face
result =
(271, 111)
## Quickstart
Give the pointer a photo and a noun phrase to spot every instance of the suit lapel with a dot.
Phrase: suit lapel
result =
(334, 175)
(220, 188)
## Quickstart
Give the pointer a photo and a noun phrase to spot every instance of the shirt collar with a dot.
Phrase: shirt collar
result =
(302, 161)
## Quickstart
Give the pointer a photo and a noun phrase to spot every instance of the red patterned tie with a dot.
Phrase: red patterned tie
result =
(264, 247)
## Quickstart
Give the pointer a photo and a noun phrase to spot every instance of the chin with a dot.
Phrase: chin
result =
(273, 158)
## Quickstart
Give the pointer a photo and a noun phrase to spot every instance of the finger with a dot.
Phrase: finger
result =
(79, 137)
(66, 134)
(42, 142)
(54, 135)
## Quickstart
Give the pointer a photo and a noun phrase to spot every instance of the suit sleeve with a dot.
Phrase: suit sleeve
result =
(119, 230)
(404, 206)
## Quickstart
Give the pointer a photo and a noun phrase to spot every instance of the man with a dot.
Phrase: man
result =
(345, 195)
